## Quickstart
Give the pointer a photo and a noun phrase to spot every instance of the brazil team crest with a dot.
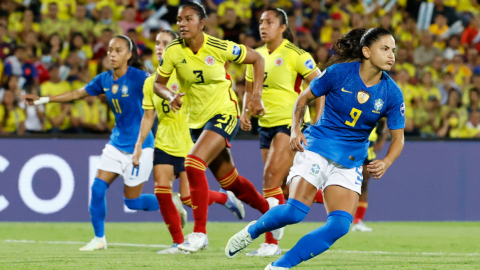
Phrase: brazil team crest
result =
(115, 89)
(315, 169)
(378, 105)
(362, 96)
(124, 91)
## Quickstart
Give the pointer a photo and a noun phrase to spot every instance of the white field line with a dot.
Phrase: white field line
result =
(81, 243)
(284, 250)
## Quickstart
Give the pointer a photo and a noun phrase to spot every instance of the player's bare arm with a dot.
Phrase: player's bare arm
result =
(245, 123)
(65, 97)
(254, 103)
(301, 105)
(378, 167)
(160, 89)
(319, 102)
(145, 127)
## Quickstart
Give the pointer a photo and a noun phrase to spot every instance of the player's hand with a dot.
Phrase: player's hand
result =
(245, 123)
(377, 168)
(296, 139)
(255, 108)
(29, 99)
(136, 156)
(176, 103)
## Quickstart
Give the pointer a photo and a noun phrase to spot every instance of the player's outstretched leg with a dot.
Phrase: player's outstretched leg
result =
(225, 198)
(195, 168)
(229, 179)
(171, 217)
(278, 158)
(317, 241)
(340, 203)
(232, 203)
(145, 202)
(280, 216)
(177, 200)
(98, 210)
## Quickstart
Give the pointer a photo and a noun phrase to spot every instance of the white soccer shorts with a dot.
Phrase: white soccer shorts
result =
(323, 172)
(116, 161)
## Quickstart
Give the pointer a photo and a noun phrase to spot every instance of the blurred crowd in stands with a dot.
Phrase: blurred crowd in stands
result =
(48, 47)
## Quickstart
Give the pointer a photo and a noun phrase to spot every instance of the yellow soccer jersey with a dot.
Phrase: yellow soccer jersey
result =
(173, 135)
(285, 69)
(203, 77)
(371, 155)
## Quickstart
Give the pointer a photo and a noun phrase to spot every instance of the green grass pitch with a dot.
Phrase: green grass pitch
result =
(392, 245)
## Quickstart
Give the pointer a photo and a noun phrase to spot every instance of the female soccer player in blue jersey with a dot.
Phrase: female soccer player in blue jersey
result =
(123, 87)
(358, 93)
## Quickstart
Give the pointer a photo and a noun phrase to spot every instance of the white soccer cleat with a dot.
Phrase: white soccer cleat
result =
(266, 250)
(271, 267)
(179, 205)
(239, 242)
(234, 204)
(97, 243)
(194, 242)
(278, 233)
(173, 250)
(361, 227)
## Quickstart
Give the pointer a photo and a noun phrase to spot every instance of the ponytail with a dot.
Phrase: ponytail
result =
(349, 47)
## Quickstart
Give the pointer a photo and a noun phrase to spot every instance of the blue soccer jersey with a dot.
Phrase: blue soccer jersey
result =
(125, 97)
(351, 112)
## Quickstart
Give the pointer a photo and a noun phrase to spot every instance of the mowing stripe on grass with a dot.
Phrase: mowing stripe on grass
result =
(284, 250)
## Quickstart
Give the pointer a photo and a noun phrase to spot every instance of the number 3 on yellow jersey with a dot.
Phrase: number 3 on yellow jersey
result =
(355, 114)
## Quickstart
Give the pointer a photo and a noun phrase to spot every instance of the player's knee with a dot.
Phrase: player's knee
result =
(271, 178)
(297, 211)
(133, 204)
(338, 223)
(99, 189)
(193, 164)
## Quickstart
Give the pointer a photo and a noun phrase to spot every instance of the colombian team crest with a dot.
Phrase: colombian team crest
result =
(362, 96)
(115, 89)
(278, 62)
(174, 87)
(378, 105)
(124, 91)
(209, 60)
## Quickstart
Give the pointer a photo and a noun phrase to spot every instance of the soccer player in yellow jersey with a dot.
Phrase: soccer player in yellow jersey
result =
(211, 109)
(286, 67)
(172, 143)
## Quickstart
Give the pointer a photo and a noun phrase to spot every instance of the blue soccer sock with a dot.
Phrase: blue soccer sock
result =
(317, 241)
(98, 206)
(146, 202)
(279, 216)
